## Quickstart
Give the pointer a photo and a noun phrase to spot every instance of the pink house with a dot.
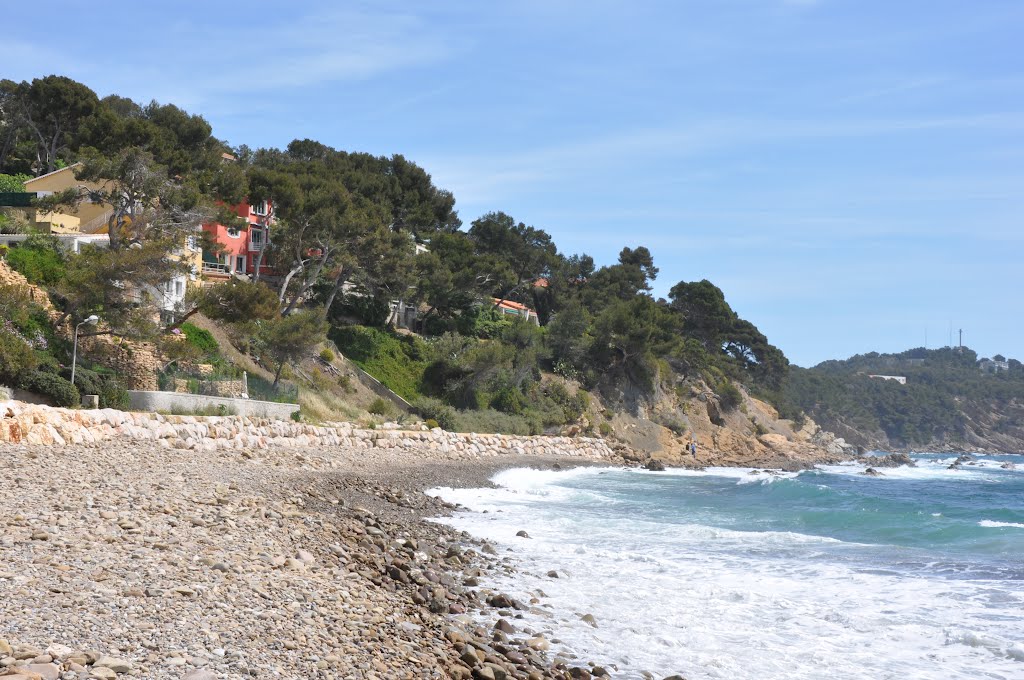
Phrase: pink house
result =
(241, 247)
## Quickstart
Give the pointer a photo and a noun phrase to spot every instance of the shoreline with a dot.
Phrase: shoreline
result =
(129, 559)
(272, 560)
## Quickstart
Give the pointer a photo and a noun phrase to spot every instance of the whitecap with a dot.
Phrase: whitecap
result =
(994, 524)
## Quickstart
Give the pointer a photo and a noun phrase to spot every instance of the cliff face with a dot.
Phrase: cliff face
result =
(987, 426)
(661, 427)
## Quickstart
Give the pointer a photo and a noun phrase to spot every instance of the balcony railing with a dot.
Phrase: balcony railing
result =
(216, 268)
(256, 246)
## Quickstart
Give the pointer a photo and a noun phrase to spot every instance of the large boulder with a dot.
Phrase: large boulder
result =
(890, 461)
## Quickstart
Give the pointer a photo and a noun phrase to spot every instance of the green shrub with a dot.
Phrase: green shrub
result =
(326, 355)
(729, 395)
(13, 184)
(605, 429)
(381, 407)
(431, 423)
(16, 358)
(50, 385)
(436, 410)
(109, 390)
(571, 405)
(483, 322)
(397, 361)
(39, 260)
(508, 400)
(677, 427)
(201, 339)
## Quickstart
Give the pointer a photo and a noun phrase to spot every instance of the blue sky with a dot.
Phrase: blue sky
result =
(849, 172)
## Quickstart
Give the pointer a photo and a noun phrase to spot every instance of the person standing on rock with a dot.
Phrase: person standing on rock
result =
(693, 447)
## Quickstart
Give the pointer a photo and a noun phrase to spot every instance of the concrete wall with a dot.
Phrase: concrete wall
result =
(187, 403)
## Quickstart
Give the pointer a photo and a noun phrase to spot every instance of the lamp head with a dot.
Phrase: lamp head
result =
(92, 319)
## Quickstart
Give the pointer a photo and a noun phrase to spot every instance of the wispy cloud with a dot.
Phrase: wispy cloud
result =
(495, 171)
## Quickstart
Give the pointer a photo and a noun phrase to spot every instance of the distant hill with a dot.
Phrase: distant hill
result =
(951, 399)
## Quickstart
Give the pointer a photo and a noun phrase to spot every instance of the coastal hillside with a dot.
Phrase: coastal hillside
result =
(946, 399)
(319, 273)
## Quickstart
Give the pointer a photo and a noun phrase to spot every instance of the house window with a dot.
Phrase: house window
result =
(192, 243)
(240, 265)
(179, 288)
(256, 237)
(233, 232)
(259, 208)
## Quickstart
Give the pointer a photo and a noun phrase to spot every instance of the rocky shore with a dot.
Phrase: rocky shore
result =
(136, 559)
(149, 546)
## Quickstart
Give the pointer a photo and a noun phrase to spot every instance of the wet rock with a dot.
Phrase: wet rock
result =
(890, 461)
(872, 472)
(655, 466)
(504, 626)
(501, 601)
(522, 534)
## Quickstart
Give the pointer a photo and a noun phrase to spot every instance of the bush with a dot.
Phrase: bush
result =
(436, 410)
(109, 390)
(397, 361)
(605, 429)
(483, 322)
(508, 400)
(201, 339)
(381, 407)
(16, 358)
(326, 355)
(46, 384)
(729, 395)
(38, 260)
(572, 405)
(431, 423)
(13, 184)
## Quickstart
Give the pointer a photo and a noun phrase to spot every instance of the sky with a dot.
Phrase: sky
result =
(849, 172)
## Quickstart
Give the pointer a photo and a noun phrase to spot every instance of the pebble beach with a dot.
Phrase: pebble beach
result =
(132, 559)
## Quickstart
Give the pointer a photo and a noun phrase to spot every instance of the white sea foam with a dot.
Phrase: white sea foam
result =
(717, 603)
(924, 470)
(994, 524)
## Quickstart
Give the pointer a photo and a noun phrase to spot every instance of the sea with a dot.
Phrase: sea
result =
(740, 573)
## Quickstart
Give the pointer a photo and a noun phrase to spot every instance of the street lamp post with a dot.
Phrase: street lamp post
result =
(74, 352)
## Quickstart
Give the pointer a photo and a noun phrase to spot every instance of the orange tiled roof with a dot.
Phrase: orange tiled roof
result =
(513, 305)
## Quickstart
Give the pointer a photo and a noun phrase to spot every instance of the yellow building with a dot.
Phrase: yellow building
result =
(85, 218)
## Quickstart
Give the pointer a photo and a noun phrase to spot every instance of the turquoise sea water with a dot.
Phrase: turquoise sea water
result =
(733, 573)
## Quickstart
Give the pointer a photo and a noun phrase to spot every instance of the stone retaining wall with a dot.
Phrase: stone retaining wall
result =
(45, 425)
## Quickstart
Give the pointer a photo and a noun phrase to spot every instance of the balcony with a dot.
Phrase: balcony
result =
(216, 268)
(256, 246)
